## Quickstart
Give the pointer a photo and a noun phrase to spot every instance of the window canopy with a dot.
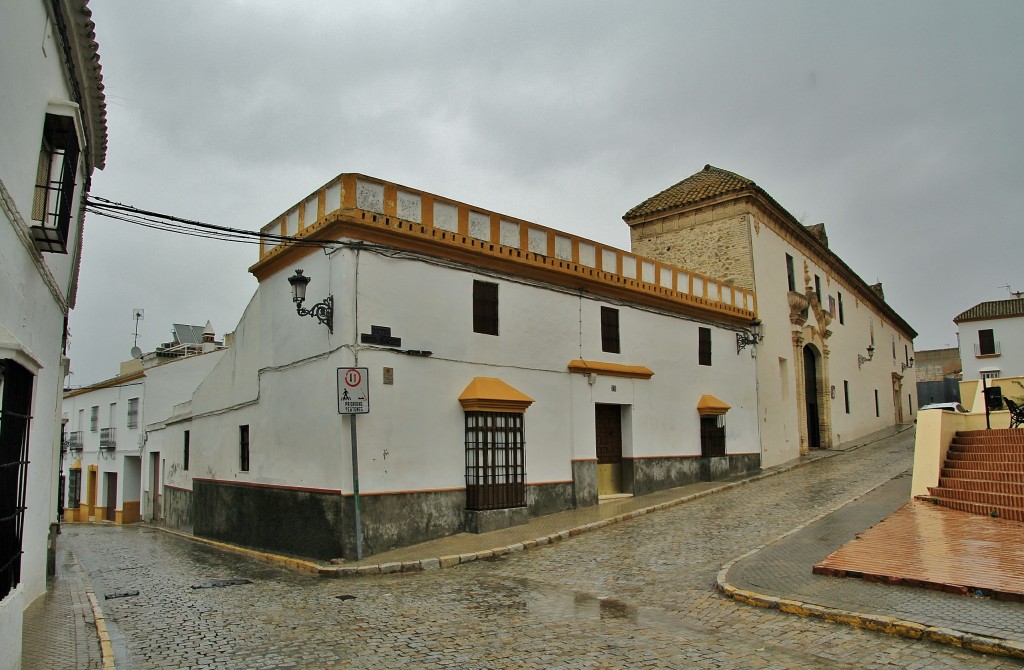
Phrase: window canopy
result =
(490, 394)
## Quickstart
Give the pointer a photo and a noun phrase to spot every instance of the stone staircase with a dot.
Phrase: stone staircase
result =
(984, 474)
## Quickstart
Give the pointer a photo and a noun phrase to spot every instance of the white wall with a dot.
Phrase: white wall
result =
(778, 364)
(413, 437)
(1009, 337)
(32, 310)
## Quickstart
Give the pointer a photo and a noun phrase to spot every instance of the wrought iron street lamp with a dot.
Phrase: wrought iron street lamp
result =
(751, 338)
(323, 310)
(861, 360)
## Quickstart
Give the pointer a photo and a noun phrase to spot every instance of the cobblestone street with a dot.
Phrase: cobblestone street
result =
(638, 594)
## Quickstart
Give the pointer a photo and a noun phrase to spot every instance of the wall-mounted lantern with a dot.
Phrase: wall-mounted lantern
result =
(752, 337)
(906, 366)
(861, 360)
(323, 310)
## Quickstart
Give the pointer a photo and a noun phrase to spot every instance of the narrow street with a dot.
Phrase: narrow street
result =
(638, 594)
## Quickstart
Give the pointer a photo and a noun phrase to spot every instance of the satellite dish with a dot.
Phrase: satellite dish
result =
(136, 352)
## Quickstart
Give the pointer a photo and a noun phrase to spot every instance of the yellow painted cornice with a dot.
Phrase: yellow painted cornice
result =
(610, 369)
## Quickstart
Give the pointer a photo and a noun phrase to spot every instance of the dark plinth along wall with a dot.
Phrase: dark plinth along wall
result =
(177, 508)
(302, 523)
(656, 474)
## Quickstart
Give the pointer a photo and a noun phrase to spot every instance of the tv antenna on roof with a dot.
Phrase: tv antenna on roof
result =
(1015, 294)
(138, 314)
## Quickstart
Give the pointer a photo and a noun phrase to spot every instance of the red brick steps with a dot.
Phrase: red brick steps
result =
(983, 474)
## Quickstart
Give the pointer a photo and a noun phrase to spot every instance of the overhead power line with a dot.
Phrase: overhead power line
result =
(175, 224)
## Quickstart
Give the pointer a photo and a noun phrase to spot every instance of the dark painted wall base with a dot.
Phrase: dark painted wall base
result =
(177, 508)
(301, 523)
(656, 474)
(321, 525)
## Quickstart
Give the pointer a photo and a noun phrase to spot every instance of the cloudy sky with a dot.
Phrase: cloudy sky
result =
(896, 124)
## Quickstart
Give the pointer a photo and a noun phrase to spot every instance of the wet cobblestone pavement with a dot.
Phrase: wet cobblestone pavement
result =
(639, 594)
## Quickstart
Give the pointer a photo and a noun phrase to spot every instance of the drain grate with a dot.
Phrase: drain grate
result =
(120, 594)
(217, 583)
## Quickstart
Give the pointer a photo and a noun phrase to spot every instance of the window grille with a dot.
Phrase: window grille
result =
(74, 488)
(495, 461)
(15, 404)
(55, 184)
(712, 436)
(94, 418)
(133, 412)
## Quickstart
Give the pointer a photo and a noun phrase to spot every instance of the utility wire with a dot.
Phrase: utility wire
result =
(175, 224)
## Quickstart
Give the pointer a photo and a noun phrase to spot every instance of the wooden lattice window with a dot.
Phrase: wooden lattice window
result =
(495, 461)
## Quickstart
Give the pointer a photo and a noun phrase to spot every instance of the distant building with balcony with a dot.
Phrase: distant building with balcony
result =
(992, 339)
(115, 472)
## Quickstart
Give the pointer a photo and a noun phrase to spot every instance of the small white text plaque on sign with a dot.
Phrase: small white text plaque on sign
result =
(353, 391)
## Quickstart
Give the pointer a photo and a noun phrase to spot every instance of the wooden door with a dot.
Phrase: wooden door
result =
(608, 421)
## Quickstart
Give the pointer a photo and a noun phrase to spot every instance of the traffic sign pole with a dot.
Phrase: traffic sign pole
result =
(355, 488)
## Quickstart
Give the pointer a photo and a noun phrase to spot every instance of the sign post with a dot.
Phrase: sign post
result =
(353, 400)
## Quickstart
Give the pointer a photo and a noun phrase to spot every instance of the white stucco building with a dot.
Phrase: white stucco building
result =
(52, 136)
(113, 430)
(834, 359)
(512, 370)
(991, 336)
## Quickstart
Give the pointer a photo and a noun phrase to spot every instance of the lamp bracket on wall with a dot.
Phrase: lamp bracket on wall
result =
(861, 360)
(323, 311)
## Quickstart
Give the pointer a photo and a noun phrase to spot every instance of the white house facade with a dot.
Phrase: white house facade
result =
(835, 356)
(52, 136)
(512, 370)
(991, 336)
(114, 440)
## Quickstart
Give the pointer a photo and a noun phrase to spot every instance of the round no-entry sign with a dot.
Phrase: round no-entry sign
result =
(353, 391)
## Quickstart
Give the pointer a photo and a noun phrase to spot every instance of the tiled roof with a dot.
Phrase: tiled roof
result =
(710, 182)
(994, 309)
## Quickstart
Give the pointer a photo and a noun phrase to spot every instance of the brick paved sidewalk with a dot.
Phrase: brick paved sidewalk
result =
(59, 631)
(782, 571)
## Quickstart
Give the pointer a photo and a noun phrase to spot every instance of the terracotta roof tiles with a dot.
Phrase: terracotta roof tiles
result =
(993, 309)
(709, 183)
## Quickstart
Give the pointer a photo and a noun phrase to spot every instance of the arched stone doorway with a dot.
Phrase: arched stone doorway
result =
(814, 408)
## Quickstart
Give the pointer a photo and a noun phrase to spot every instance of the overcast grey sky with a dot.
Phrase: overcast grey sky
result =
(896, 124)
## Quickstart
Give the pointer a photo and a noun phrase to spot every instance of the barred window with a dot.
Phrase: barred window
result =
(495, 461)
(15, 405)
(94, 418)
(74, 487)
(133, 412)
(55, 184)
(712, 435)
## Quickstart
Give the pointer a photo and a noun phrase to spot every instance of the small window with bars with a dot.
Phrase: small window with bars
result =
(495, 461)
(712, 436)
(94, 418)
(15, 408)
(133, 412)
(55, 184)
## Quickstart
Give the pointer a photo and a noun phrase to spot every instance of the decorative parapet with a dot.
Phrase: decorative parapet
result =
(365, 208)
